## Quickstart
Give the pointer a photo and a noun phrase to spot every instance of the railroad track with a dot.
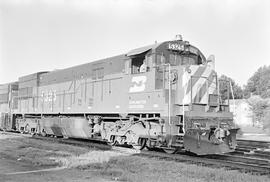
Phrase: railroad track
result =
(255, 164)
(232, 161)
(228, 161)
(253, 145)
(243, 164)
(251, 148)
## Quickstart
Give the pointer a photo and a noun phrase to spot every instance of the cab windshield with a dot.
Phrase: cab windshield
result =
(184, 59)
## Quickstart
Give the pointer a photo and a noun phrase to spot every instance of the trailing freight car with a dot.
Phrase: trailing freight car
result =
(161, 96)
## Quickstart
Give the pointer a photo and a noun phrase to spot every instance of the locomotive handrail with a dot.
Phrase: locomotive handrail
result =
(169, 87)
(229, 88)
(208, 82)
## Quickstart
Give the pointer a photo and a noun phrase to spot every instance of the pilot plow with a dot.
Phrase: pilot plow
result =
(210, 141)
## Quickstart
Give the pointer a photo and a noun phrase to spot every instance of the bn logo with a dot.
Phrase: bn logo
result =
(138, 84)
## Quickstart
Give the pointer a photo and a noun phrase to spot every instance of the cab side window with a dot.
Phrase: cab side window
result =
(141, 63)
(136, 62)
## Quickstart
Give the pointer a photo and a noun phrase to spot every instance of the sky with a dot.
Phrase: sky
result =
(44, 35)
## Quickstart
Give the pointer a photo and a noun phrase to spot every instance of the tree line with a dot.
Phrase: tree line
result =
(256, 92)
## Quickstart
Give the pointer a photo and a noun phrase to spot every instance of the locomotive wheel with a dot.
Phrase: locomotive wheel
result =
(141, 144)
(136, 142)
(112, 141)
(43, 133)
(170, 150)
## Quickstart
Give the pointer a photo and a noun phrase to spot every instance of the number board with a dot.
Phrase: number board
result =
(176, 46)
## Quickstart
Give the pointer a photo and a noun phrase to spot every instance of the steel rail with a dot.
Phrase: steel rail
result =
(228, 161)
(231, 161)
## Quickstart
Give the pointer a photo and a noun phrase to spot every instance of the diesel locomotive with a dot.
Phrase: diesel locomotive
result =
(164, 96)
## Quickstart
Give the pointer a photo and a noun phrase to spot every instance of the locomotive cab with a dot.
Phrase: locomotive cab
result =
(197, 119)
(180, 86)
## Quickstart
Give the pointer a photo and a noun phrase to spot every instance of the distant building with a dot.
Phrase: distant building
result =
(243, 115)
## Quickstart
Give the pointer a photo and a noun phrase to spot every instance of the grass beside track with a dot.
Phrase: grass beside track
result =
(113, 165)
(138, 169)
(38, 153)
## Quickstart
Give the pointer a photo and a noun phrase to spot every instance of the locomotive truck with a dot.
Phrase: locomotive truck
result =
(164, 96)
